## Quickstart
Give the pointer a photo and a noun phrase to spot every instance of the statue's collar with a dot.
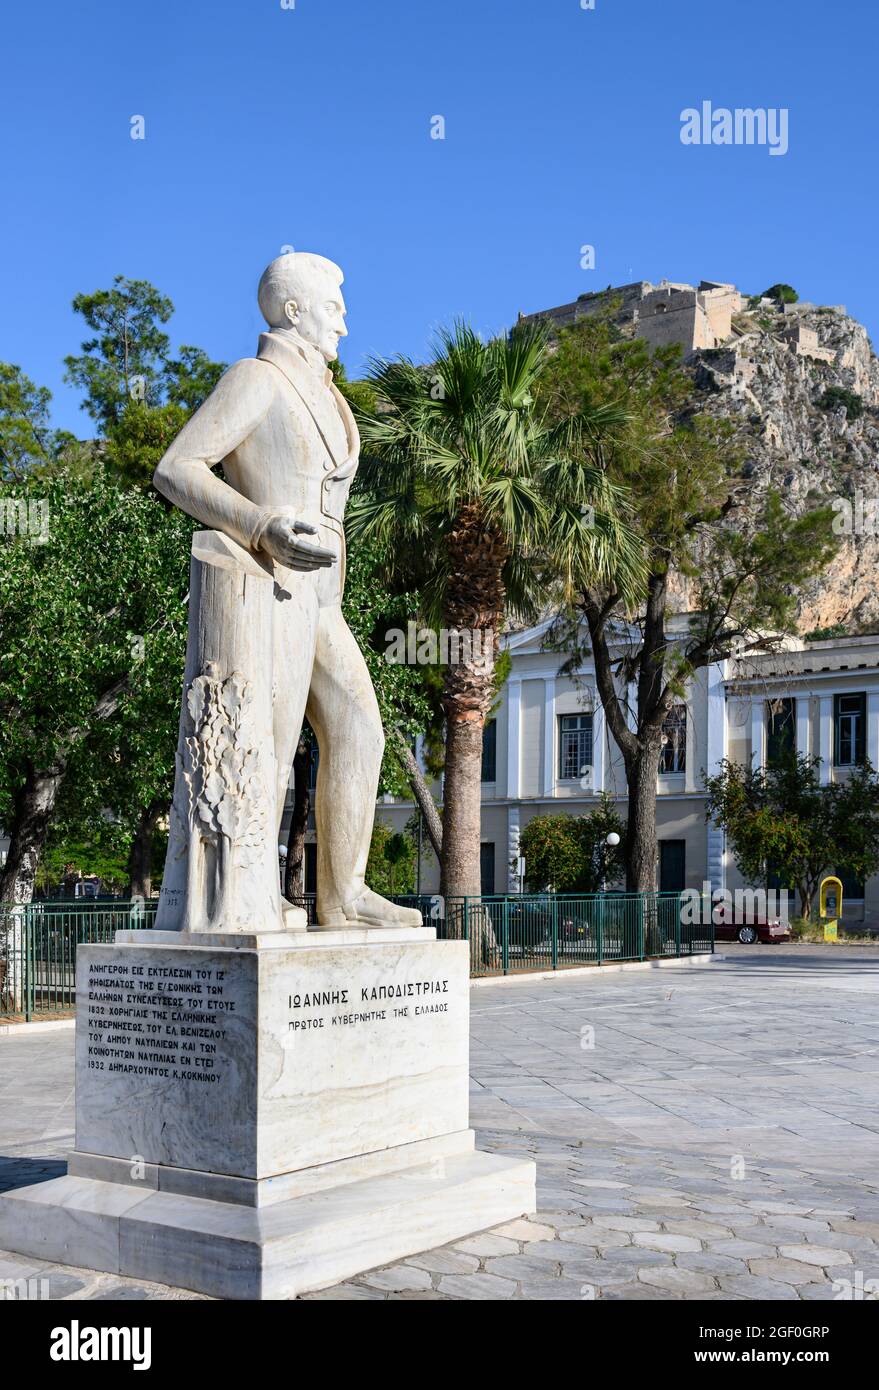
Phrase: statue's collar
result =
(319, 396)
(290, 345)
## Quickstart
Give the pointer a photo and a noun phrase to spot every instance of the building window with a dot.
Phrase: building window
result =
(310, 868)
(850, 727)
(673, 752)
(575, 745)
(781, 734)
(672, 866)
(852, 887)
(486, 869)
(489, 752)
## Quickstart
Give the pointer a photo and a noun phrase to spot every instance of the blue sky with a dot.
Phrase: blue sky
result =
(310, 127)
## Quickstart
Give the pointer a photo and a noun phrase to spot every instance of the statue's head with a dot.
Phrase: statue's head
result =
(302, 291)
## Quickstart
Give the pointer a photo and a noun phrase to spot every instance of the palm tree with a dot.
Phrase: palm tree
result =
(472, 498)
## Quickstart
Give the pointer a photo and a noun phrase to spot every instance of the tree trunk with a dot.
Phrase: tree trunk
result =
(639, 746)
(34, 804)
(421, 792)
(294, 872)
(140, 858)
(641, 842)
(641, 828)
(462, 799)
(474, 604)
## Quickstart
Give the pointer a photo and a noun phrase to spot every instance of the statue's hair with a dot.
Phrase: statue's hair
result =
(291, 276)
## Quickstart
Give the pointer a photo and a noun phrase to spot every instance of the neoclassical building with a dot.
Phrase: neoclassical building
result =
(548, 749)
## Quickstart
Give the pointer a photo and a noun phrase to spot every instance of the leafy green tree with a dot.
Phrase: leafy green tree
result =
(126, 357)
(139, 395)
(191, 378)
(139, 437)
(98, 854)
(391, 865)
(94, 628)
(480, 507)
(781, 816)
(781, 293)
(570, 854)
(680, 469)
(26, 439)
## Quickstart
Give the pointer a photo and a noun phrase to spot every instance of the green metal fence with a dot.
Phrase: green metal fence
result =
(38, 949)
(552, 931)
(507, 935)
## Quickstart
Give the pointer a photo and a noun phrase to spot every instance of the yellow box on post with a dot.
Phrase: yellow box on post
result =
(830, 886)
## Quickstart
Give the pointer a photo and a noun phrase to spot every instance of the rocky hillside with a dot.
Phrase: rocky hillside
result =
(802, 386)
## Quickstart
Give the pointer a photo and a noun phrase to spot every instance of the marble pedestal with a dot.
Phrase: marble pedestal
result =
(262, 1115)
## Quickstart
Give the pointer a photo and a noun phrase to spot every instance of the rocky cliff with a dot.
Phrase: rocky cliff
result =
(801, 384)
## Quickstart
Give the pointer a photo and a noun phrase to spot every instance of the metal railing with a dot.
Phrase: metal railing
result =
(38, 949)
(508, 934)
(552, 931)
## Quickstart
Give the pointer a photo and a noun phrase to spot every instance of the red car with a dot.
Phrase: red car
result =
(753, 928)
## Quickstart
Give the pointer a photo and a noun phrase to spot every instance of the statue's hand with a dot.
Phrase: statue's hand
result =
(282, 539)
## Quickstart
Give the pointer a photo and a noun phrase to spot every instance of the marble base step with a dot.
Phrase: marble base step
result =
(266, 1192)
(279, 1251)
(304, 940)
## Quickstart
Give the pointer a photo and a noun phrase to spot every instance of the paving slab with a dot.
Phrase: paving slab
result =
(694, 1152)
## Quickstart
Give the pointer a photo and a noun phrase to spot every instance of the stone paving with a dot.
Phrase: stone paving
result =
(700, 1133)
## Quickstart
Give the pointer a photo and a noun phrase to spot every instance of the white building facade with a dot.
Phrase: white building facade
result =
(548, 750)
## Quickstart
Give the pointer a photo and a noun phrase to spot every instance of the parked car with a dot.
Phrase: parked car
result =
(752, 928)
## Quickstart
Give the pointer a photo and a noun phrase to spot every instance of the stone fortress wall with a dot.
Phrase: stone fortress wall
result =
(696, 318)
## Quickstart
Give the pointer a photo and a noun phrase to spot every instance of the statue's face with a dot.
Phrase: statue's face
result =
(320, 319)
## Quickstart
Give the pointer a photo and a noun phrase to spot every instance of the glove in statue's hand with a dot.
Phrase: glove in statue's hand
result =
(282, 538)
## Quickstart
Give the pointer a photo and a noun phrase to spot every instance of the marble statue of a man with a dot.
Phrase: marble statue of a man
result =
(267, 642)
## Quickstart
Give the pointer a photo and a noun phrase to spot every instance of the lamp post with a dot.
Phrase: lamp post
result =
(282, 858)
(612, 839)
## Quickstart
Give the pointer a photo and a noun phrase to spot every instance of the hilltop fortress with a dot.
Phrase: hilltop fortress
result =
(800, 385)
(712, 315)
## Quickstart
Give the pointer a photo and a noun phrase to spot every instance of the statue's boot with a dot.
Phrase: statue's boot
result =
(370, 909)
(293, 918)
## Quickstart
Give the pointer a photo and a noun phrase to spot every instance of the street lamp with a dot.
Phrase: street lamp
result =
(611, 840)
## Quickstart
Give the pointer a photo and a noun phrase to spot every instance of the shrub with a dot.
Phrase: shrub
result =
(835, 396)
(570, 853)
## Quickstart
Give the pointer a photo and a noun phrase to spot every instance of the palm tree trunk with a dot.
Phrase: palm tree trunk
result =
(462, 799)
(474, 609)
